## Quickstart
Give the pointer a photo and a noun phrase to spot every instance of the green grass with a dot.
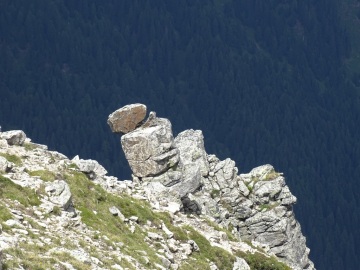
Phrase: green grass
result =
(43, 174)
(214, 193)
(272, 175)
(217, 227)
(73, 166)
(10, 190)
(30, 146)
(88, 197)
(12, 158)
(223, 259)
(258, 261)
(268, 207)
(4, 213)
(30, 257)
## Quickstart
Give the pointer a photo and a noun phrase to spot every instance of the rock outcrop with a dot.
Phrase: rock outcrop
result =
(257, 206)
(183, 208)
(14, 137)
(149, 149)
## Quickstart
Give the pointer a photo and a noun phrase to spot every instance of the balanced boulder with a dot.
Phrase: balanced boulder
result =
(127, 118)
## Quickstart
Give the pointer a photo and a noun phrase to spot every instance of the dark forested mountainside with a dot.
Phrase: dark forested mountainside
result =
(264, 80)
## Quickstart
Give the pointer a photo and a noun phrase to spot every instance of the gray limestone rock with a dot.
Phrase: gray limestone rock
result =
(286, 197)
(179, 174)
(225, 172)
(192, 151)
(127, 118)
(90, 167)
(14, 137)
(240, 264)
(267, 191)
(3, 164)
(3, 143)
(194, 246)
(116, 212)
(168, 178)
(163, 198)
(244, 190)
(149, 150)
(190, 182)
(59, 193)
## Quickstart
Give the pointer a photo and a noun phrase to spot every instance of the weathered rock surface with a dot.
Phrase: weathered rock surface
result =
(90, 167)
(14, 137)
(258, 205)
(126, 119)
(3, 164)
(205, 200)
(59, 193)
(150, 149)
(240, 264)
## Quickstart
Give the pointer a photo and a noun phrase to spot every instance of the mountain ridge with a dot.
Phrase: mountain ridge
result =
(74, 216)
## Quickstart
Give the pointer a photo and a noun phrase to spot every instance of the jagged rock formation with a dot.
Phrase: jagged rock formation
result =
(180, 174)
(184, 209)
(57, 213)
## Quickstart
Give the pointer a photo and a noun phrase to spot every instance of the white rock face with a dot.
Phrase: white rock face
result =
(149, 149)
(91, 167)
(192, 151)
(59, 193)
(3, 164)
(240, 264)
(3, 143)
(14, 137)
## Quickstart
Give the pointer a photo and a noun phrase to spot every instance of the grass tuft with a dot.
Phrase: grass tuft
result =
(12, 158)
(44, 175)
(258, 261)
(10, 190)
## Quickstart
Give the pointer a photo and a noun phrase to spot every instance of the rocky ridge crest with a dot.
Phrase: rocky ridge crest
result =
(183, 209)
(179, 174)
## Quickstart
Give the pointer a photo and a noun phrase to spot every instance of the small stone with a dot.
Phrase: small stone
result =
(173, 247)
(116, 267)
(114, 211)
(59, 193)
(168, 233)
(213, 266)
(154, 236)
(20, 231)
(11, 222)
(240, 264)
(174, 266)
(193, 245)
(134, 218)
